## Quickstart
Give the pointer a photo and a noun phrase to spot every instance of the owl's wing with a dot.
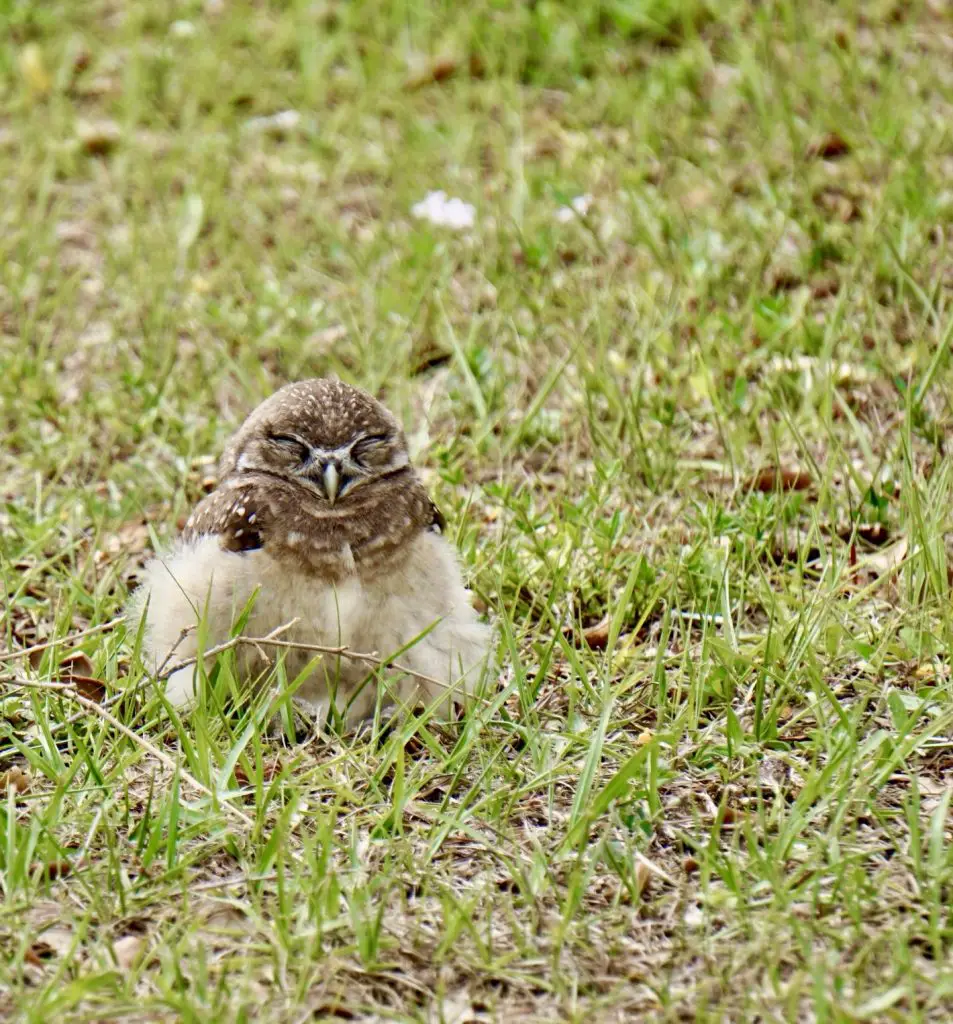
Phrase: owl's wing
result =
(239, 516)
(437, 522)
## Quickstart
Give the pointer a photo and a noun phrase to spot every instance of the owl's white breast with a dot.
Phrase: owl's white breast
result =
(200, 582)
(222, 583)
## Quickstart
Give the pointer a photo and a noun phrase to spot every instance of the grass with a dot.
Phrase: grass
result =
(702, 425)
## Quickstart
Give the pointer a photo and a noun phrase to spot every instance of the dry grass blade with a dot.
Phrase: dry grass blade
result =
(30, 652)
(65, 690)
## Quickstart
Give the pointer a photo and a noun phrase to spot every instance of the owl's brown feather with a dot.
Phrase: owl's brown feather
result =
(255, 510)
(265, 501)
(240, 516)
(437, 522)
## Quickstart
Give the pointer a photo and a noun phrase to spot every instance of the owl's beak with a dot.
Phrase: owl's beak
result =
(331, 479)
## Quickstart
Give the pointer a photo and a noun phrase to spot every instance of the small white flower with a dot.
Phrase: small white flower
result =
(182, 29)
(579, 207)
(439, 209)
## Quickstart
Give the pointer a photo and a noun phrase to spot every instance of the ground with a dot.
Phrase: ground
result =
(682, 389)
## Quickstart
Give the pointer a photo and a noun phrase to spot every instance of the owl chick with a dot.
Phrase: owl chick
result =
(319, 518)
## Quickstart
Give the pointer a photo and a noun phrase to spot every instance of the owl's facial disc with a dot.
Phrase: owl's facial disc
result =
(332, 472)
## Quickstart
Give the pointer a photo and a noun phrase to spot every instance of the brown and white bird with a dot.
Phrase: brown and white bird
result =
(319, 518)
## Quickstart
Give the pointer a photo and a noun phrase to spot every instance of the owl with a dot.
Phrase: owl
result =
(321, 520)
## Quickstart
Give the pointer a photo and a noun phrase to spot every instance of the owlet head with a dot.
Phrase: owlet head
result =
(325, 435)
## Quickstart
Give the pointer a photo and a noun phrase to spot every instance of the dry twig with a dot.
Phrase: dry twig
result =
(271, 640)
(27, 651)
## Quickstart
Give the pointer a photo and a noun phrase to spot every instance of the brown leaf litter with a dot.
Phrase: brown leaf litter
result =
(831, 146)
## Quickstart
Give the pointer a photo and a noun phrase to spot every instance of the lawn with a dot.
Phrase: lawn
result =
(682, 391)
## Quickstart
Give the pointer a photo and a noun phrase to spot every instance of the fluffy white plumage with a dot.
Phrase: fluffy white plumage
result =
(199, 579)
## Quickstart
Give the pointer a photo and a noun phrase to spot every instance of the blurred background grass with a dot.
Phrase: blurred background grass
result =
(697, 418)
